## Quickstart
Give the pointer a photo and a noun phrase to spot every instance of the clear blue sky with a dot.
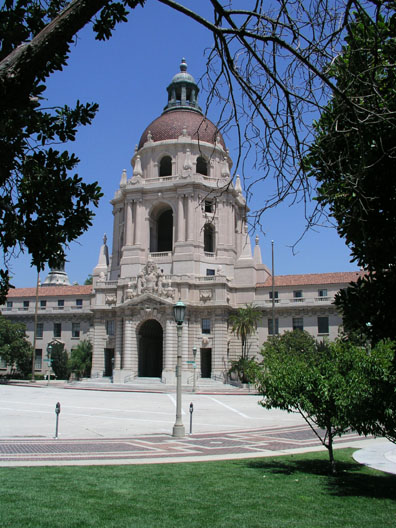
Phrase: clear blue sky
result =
(128, 76)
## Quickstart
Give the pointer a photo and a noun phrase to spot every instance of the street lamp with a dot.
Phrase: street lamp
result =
(179, 311)
(194, 350)
(49, 352)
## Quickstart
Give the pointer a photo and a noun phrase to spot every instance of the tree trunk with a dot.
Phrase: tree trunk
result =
(27, 60)
(329, 447)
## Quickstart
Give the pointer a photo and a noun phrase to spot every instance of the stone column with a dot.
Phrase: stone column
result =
(138, 222)
(185, 328)
(127, 355)
(118, 344)
(190, 217)
(128, 225)
(168, 343)
(231, 224)
(219, 351)
(134, 348)
(99, 342)
(180, 219)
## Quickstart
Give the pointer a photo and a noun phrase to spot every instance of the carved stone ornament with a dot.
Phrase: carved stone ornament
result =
(205, 295)
(111, 299)
(150, 280)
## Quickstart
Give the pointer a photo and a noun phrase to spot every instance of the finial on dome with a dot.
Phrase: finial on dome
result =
(183, 65)
(183, 91)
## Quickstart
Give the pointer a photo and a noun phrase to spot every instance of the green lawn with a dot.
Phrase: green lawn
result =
(293, 491)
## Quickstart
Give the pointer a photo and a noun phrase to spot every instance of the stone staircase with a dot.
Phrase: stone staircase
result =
(203, 385)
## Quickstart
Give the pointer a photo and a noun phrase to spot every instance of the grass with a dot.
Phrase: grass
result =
(293, 492)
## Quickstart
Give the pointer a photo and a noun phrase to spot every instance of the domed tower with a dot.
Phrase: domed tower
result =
(174, 206)
(179, 233)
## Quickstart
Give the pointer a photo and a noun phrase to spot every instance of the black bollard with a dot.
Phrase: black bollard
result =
(57, 412)
(191, 413)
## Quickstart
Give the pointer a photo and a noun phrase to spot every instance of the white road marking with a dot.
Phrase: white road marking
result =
(172, 399)
(228, 407)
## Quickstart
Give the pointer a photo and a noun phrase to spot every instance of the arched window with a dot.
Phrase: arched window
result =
(161, 230)
(202, 166)
(209, 238)
(165, 168)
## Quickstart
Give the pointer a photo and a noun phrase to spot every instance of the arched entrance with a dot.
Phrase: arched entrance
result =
(150, 349)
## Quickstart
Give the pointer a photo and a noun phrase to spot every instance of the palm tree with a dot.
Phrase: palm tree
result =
(244, 323)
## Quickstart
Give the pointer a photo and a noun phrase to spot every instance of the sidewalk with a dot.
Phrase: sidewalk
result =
(157, 448)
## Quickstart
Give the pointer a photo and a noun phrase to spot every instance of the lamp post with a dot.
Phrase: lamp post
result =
(194, 350)
(49, 352)
(179, 311)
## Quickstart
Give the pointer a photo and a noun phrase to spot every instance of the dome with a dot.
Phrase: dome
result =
(182, 115)
(171, 125)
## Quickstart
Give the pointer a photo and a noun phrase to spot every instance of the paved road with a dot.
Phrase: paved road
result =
(98, 427)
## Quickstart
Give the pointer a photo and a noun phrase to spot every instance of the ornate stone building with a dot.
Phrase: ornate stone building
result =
(180, 233)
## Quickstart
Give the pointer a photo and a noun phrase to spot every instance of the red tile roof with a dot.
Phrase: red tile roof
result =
(344, 277)
(170, 126)
(50, 291)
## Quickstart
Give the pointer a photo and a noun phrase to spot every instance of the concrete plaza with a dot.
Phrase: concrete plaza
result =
(30, 412)
(100, 426)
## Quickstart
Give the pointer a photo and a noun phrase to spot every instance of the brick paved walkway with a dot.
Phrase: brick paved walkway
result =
(161, 448)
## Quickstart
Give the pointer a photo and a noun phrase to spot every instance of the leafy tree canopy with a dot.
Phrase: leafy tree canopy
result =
(15, 349)
(268, 67)
(42, 206)
(371, 395)
(80, 360)
(59, 360)
(352, 159)
(299, 375)
(244, 323)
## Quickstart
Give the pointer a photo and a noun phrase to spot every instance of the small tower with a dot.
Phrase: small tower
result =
(57, 277)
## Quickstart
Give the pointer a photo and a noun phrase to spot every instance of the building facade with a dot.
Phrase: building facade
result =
(179, 233)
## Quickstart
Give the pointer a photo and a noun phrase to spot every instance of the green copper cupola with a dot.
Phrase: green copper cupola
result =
(183, 91)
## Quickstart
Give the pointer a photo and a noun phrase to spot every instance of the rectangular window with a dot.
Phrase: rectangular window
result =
(38, 359)
(25, 305)
(298, 296)
(9, 305)
(208, 206)
(61, 304)
(270, 332)
(57, 329)
(276, 295)
(79, 303)
(323, 325)
(75, 329)
(210, 272)
(322, 292)
(39, 330)
(43, 304)
(205, 326)
(298, 323)
(3, 363)
(110, 327)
